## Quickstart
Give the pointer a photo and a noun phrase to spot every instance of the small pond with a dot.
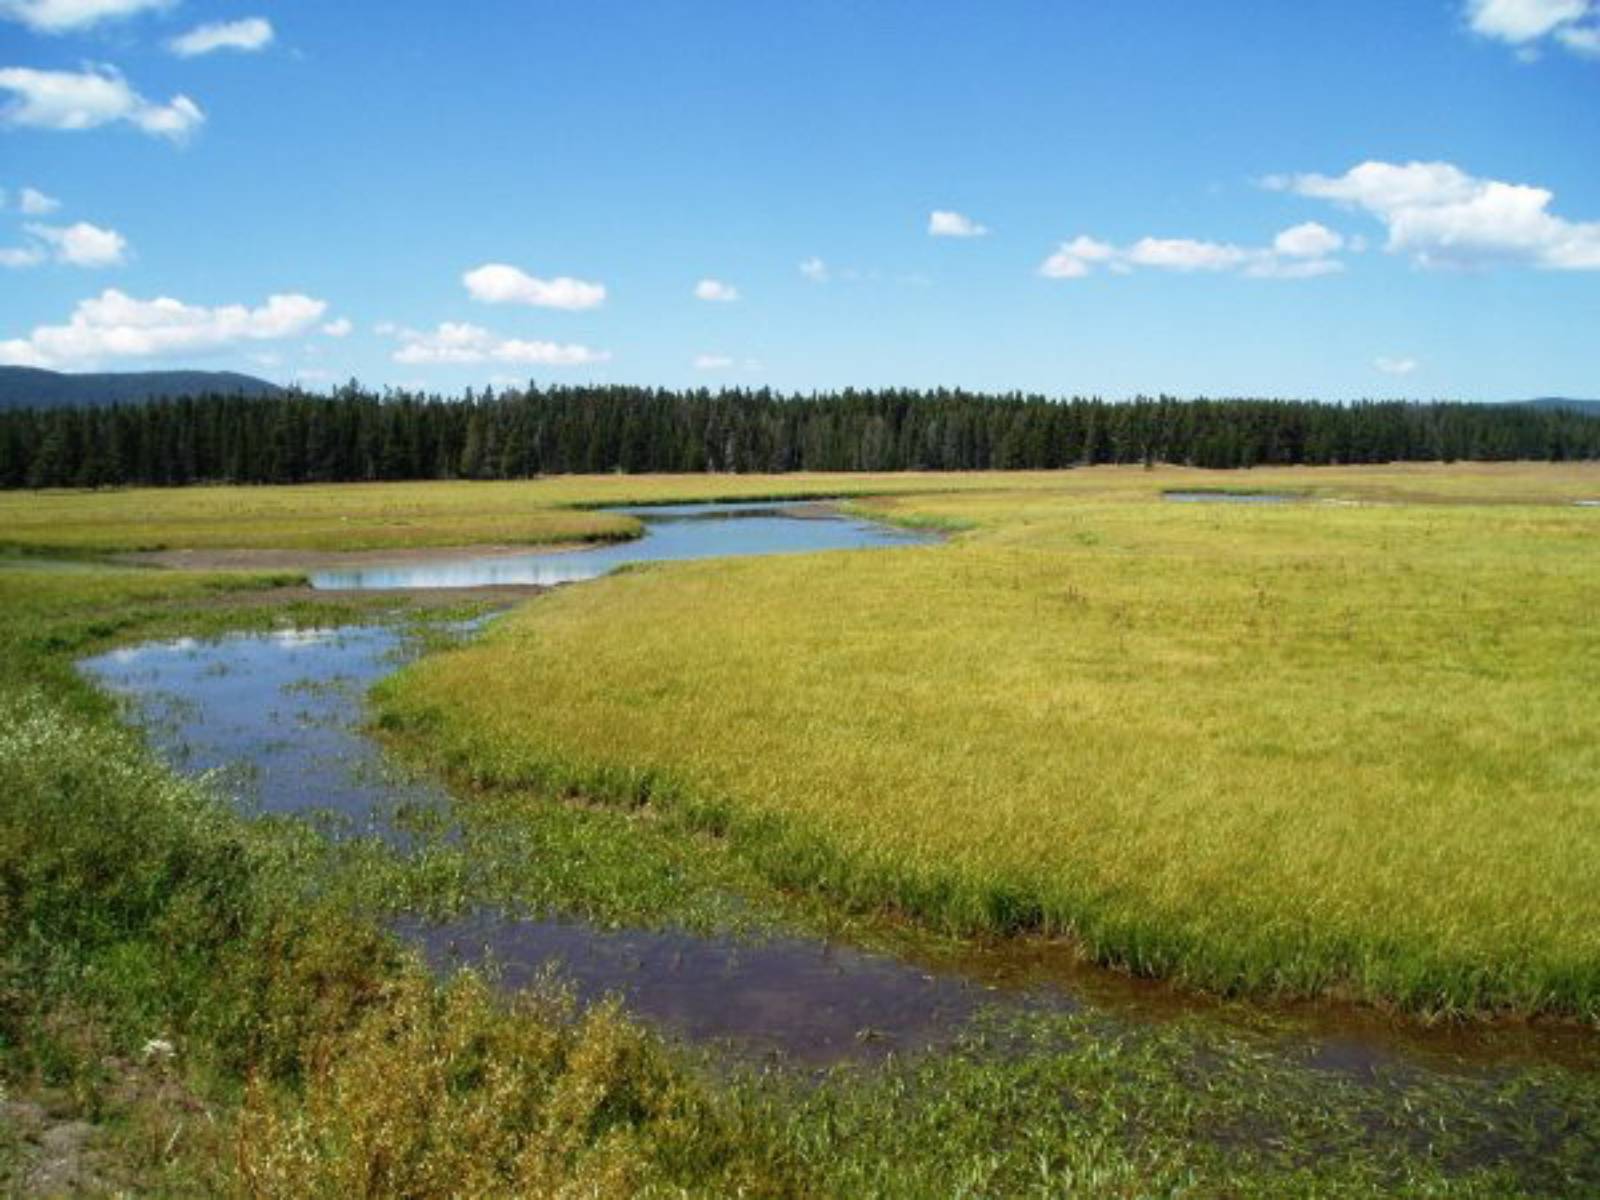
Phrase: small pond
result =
(672, 532)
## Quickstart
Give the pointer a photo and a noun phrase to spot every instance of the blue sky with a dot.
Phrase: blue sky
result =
(1327, 198)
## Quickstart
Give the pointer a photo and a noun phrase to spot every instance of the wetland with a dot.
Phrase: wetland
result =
(802, 991)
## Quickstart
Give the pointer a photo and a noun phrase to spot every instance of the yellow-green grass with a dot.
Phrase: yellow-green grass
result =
(1306, 749)
(393, 516)
(377, 516)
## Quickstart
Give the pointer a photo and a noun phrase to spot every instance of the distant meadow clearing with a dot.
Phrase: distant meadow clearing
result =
(1340, 746)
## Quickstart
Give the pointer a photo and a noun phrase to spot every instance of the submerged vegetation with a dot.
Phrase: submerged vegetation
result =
(1387, 699)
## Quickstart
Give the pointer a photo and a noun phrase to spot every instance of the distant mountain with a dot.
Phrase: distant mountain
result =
(1589, 408)
(29, 387)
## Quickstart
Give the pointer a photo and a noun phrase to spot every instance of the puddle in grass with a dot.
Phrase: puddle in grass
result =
(672, 532)
(276, 715)
(1207, 497)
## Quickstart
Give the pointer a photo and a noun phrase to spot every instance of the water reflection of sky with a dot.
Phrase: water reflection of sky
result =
(672, 532)
(276, 712)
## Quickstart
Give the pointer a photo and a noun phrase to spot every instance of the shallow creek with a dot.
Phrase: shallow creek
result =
(279, 717)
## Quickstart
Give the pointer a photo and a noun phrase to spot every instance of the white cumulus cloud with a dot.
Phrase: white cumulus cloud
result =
(715, 290)
(115, 325)
(1439, 216)
(1298, 253)
(815, 270)
(1077, 258)
(1529, 24)
(252, 33)
(1309, 240)
(1395, 366)
(87, 99)
(499, 283)
(61, 16)
(945, 223)
(83, 244)
(712, 362)
(35, 203)
(454, 342)
(338, 328)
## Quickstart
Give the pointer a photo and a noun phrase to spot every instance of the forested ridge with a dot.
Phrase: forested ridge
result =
(356, 434)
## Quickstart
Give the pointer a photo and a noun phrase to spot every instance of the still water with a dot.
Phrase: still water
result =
(1211, 497)
(680, 531)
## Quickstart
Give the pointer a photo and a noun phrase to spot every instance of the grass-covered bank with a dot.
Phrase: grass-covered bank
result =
(1299, 749)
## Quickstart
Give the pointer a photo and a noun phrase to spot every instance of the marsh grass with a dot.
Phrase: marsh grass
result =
(302, 1051)
(398, 516)
(1291, 750)
(312, 1057)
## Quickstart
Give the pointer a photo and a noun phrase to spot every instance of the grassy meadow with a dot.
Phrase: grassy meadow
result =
(402, 516)
(1314, 748)
(1279, 748)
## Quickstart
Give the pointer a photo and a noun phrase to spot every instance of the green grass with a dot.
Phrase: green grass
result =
(314, 1058)
(400, 516)
(1301, 749)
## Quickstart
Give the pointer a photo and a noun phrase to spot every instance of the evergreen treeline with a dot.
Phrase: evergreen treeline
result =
(359, 435)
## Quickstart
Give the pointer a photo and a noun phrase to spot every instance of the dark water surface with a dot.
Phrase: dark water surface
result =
(672, 532)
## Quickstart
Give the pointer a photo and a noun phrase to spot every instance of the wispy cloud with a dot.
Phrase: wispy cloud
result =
(34, 203)
(1301, 252)
(18, 257)
(716, 291)
(815, 270)
(1395, 366)
(250, 34)
(1531, 24)
(945, 223)
(97, 95)
(64, 16)
(454, 342)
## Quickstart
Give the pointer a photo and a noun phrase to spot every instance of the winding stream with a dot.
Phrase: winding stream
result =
(279, 716)
(672, 533)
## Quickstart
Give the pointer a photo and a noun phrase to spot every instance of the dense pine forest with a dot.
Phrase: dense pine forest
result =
(355, 434)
